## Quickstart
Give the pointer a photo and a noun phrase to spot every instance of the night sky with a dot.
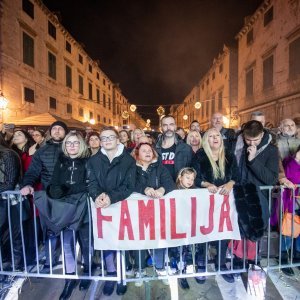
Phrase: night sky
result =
(156, 50)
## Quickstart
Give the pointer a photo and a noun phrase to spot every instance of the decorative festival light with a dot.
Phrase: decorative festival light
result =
(197, 105)
(92, 121)
(160, 111)
(185, 117)
(148, 121)
(132, 107)
(125, 115)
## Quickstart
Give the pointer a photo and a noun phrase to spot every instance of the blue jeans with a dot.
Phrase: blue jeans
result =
(286, 243)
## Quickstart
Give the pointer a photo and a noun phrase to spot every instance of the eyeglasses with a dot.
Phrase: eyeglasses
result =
(75, 143)
(108, 138)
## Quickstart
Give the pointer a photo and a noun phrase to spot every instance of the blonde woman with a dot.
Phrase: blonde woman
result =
(217, 171)
(135, 136)
(194, 140)
(69, 180)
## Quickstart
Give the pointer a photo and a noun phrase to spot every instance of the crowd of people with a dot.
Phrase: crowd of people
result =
(109, 166)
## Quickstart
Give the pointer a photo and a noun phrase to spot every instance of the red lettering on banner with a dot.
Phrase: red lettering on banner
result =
(125, 221)
(225, 215)
(162, 210)
(100, 219)
(146, 218)
(206, 230)
(193, 216)
(174, 234)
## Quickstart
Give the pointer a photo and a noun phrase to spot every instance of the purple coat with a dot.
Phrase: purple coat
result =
(292, 173)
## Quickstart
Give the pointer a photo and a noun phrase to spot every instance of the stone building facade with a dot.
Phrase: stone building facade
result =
(186, 109)
(269, 62)
(216, 91)
(44, 69)
(218, 88)
(262, 73)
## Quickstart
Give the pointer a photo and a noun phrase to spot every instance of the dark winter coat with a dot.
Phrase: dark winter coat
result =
(183, 153)
(155, 176)
(10, 174)
(68, 185)
(115, 178)
(69, 177)
(204, 170)
(261, 171)
(42, 164)
(229, 139)
(10, 169)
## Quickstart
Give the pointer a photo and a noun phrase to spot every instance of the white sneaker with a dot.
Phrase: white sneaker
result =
(139, 275)
(129, 272)
(139, 283)
(172, 271)
(161, 272)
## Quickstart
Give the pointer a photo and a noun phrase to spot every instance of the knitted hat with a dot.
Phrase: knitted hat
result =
(61, 124)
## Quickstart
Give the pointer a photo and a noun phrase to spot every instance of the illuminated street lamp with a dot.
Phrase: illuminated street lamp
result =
(185, 117)
(3, 101)
(226, 121)
(3, 105)
(132, 107)
(197, 105)
(92, 121)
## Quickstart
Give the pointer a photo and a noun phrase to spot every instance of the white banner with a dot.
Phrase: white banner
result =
(181, 217)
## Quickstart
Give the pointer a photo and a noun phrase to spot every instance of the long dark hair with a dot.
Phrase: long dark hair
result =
(28, 144)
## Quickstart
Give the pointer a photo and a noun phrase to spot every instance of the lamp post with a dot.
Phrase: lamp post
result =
(3, 105)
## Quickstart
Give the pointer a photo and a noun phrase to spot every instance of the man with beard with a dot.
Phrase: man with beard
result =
(43, 161)
(287, 139)
(175, 155)
(228, 134)
(195, 126)
(41, 168)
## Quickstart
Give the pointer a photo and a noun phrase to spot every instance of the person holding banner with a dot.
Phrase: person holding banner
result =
(217, 171)
(112, 173)
(154, 181)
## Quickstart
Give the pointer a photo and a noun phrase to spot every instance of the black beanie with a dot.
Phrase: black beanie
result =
(61, 124)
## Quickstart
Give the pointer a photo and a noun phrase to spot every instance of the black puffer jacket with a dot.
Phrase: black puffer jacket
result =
(155, 176)
(229, 139)
(183, 153)
(10, 169)
(261, 171)
(115, 178)
(69, 177)
(42, 164)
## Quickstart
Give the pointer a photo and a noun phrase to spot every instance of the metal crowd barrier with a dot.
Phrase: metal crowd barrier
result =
(14, 229)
